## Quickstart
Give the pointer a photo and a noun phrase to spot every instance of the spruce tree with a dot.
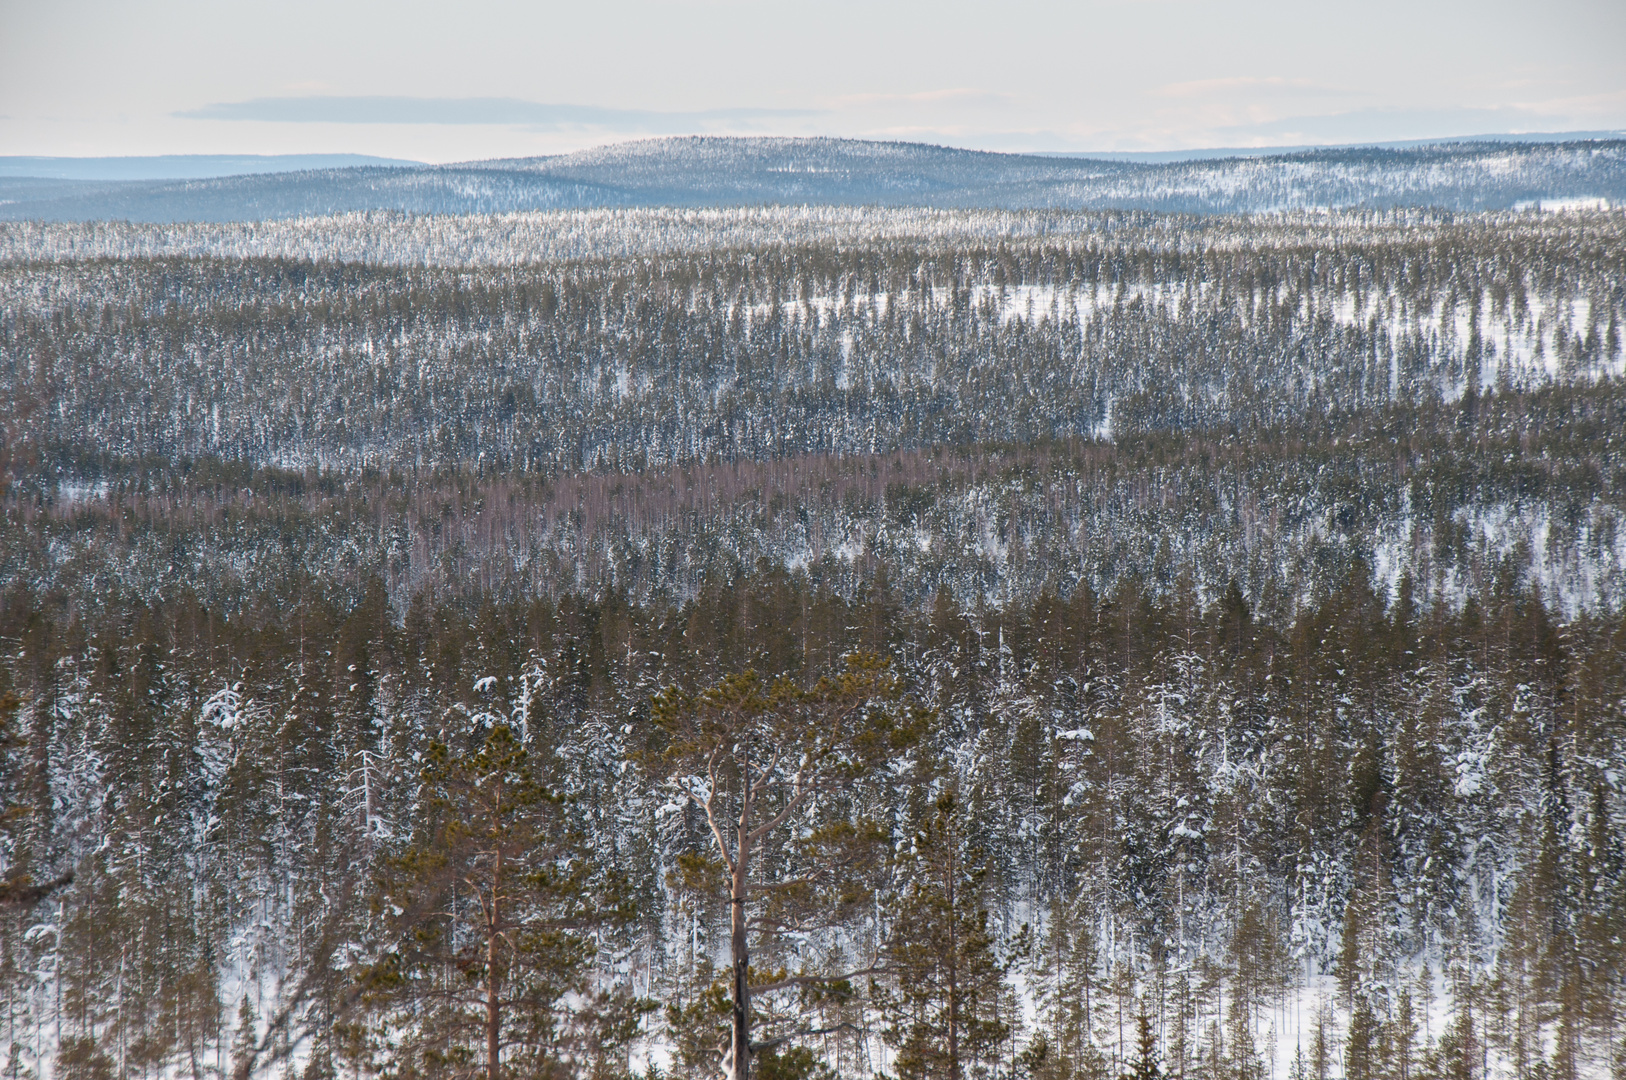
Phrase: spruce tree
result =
(1147, 1065)
(1361, 1056)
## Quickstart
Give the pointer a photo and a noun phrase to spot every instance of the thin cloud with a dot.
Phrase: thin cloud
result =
(1396, 124)
(960, 95)
(1611, 102)
(1252, 85)
(509, 112)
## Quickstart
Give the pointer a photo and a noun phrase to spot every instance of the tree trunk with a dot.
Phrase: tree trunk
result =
(740, 1053)
(493, 1017)
(493, 983)
(953, 960)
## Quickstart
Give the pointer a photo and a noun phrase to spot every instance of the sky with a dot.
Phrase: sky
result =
(503, 78)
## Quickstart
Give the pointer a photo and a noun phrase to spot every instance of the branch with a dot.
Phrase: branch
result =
(771, 887)
(711, 817)
(769, 1044)
(274, 1045)
(791, 981)
(798, 797)
(763, 924)
(758, 785)
(24, 893)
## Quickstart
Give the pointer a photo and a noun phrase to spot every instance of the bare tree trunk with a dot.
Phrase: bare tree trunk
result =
(954, 960)
(740, 1054)
(493, 1017)
(493, 985)
(742, 996)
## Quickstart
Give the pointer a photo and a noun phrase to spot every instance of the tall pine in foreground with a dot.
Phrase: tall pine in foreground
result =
(774, 770)
(942, 1015)
(490, 917)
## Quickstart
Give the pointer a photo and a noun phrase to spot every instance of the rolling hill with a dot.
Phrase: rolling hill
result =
(705, 172)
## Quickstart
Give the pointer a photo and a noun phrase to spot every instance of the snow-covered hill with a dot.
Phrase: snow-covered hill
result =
(710, 171)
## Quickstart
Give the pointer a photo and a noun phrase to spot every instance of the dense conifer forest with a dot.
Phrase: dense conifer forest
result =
(1052, 645)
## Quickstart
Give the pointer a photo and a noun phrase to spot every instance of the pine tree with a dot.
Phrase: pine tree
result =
(1321, 1045)
(1182, 1025)
(1459, 1054)
(1402, 1039)
(757, 760)
(1246, 1062)
(1064, 978)
(946, 978)
(490, 918)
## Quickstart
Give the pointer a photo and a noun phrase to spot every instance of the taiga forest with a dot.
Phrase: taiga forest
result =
(917, 640)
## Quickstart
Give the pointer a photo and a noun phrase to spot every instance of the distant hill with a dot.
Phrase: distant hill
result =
(731, 171)
(1209, 153)
(181, 166)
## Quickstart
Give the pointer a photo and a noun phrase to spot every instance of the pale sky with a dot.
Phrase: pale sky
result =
(500, 78)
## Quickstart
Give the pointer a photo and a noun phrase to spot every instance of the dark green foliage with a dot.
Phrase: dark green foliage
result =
(1146, 1065)
(1086, 725)
(1361, 1051)
(780, 775)
(682, 358)
(943, 1015)
(488, 924)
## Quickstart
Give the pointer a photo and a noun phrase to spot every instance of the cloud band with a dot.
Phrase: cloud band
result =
(512, 112)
